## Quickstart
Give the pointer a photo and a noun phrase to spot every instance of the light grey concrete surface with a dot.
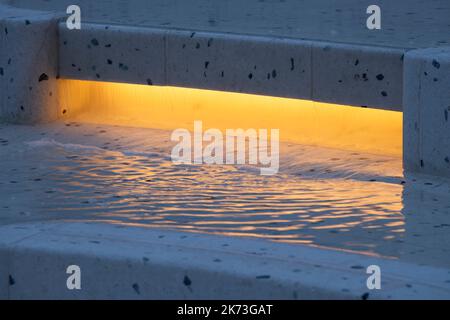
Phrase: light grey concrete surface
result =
(357, 75)
(28, 65)
(332, 73)
(405, 23)
(294, 47)
(427, 111)
(113, 53)
(121, 263)
(323, 53)
(262, 65)
(348, 74)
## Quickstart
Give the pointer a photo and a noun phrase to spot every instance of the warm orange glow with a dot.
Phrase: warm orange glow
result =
(299, 121)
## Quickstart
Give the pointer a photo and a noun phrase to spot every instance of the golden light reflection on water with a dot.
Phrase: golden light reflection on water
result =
(299, 121)
(129, 180)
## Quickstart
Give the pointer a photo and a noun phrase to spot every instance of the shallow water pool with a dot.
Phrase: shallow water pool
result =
(322, 197)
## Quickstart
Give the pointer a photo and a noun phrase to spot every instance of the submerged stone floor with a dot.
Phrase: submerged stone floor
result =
(347, 201)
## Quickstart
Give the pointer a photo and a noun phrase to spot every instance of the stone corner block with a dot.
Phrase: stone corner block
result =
(426, 114)
(28, 66)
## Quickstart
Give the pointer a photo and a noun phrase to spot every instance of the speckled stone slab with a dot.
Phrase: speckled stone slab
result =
(347, 74)
(157, 264)
(427, 111)
(113, 53)
(28, 66)
(358, 75)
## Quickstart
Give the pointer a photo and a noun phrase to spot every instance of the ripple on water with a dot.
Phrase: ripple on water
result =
(142, 187)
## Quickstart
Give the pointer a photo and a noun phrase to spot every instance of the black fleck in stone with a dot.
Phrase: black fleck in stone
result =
(64, 111)
(1, 71)
(108, 45)
(43, 77)
(11, 280)
(192, 34)
(6, 31)
(97, 75)
(365, 296)
(222, 74)
(149, 82)
(136, 288)
(380, 77)
(109, 61)
(274, 73)
(94, 42)
(22, 108)
(264, 276)
(187, 281)
(421, 163)
(292, 64)
(384, 93)
(27, 22)
(197, 46)
(206, 64)
(250, 75)
(447, 159)
(436, 64)
(446, 115)
(210, 40)
(123, 67)
(356, 62)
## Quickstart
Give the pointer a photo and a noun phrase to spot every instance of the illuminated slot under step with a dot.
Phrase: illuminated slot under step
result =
(299, 121)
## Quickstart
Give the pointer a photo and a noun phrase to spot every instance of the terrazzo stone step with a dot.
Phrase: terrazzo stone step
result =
(118, 262)
(313, 70)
